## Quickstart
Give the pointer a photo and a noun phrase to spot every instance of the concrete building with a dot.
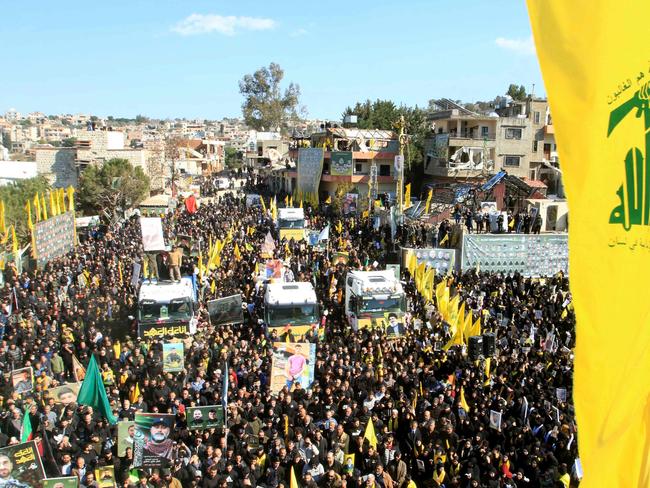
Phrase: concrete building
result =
(58, 165)
(368, 148)
(517, 137)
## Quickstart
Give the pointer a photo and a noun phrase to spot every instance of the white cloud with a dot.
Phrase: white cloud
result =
(520, 46)
(299, 33)
(226, 25)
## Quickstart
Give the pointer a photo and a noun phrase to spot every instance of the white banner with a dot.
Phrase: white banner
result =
(152, 234)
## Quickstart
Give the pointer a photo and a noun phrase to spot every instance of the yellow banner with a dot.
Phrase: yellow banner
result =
(595, 60)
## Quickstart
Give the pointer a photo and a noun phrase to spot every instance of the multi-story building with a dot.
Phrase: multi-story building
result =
(367, 149)
(517, 137)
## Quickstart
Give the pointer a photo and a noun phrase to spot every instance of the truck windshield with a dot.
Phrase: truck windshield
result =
(291, 224)
(369, 305)
(292, 314)
(175, 310)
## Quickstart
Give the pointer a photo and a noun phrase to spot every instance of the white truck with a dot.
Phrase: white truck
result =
(291, 309)
(291, 223)
(369, 295)
(167, 309)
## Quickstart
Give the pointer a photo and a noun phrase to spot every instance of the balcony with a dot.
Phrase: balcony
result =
(472, 135)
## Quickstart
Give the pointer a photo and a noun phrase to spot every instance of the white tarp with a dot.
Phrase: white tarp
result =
(152, 234)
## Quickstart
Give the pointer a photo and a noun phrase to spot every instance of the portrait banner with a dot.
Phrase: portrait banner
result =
(23, 380)
(125, 436)
(227, 310)
(63, 482)
(152, 446)
(21, 466)
(341, 163)
(292, 362)
(65, 394)
(152, 234)
(173, 357)
(201, 418)
(310, 168)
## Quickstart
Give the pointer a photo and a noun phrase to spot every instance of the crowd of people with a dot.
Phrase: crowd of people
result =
(409, 387)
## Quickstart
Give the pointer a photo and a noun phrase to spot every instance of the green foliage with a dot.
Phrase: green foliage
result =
(383, 114)
(6, 140)
(114, 186)
(15, 198)
(141, 119)
(233, 158)
(517, 92)
(266, 106)
(69, 142)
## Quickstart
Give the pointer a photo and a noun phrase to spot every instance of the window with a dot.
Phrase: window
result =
(384, 170)
(534, 146)
(513, 133)
(512, 161)
(485, 131)
(357, 167)
(536, 118)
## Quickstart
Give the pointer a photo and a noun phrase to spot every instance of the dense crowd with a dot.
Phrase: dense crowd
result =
(83, 304)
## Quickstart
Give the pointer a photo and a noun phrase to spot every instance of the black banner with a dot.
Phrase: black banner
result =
(53, 237)
(226, 310)
(158, 331)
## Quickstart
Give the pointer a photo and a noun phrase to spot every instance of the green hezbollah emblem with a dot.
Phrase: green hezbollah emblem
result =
(634, 208)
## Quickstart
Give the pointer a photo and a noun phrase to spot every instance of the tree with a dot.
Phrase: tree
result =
(141, 119)
(380, 114)
(116, 185)
(15, 196)
(517, 92)
(233, 158)
(69, 142)
(6, 140)
(266, 106)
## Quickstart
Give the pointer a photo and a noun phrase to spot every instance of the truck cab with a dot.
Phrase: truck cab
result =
(369, 295)
(291, 309)
(291, 223)
(167, 309)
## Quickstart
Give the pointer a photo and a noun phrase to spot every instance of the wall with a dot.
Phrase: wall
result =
(58, 166)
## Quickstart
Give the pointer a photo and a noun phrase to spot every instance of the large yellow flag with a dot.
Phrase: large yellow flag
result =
(30, 222)
(43, 206)
(293, 483)
(428, 203)
(462, 401)
(3, 227)
(370, 434)
(37, 207)
(595, 62)
(407, 196)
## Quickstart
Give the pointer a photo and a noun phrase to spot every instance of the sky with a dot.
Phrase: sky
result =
(184, 58)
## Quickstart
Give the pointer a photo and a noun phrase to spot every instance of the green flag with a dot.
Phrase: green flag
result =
(93, 392)
(26, 430)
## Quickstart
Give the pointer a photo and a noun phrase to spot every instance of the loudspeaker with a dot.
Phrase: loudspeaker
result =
(489, 344)
(475, 348)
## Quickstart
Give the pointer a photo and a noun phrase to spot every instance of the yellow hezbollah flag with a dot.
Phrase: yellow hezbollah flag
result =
(370, 434)
(293, 483)
(463, 402)
(594, 58)
(407, 196)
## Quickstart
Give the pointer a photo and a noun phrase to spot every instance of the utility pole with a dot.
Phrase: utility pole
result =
(399, 163)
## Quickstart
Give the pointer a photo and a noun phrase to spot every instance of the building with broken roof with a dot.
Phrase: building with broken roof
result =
(517, 136)
(362, 160)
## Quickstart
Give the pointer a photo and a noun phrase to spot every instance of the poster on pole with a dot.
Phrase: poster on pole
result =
(310, 168)
(152, 234)
(21, 466)
(292, 362)
(152, 446)
(350, 203)
(227, 310)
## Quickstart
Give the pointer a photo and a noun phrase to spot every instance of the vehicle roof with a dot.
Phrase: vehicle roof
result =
(387, 274)
(164, 291)
(295, 292)
(289, 213)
